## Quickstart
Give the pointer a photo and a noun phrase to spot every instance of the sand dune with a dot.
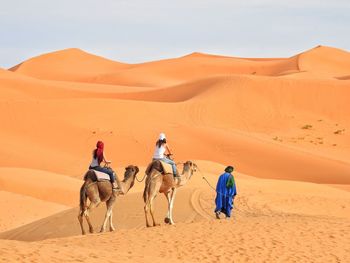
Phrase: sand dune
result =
(257, 107)
(192, 67)
(194, 203)
(239, 92)
(17, 86)
(227, 146)
(42, 185)
(325, 60)
(69, 64)
(253, 156)
(271, 215)
(272, 118)
(263, 239)
(77, 65)
(21, 210)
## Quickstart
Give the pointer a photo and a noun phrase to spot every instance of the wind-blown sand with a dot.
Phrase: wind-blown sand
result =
(282, 122)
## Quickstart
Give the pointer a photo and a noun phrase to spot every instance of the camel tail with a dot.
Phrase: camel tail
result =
(145, 194)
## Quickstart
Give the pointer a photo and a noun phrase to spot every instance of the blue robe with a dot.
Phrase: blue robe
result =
(224, 195)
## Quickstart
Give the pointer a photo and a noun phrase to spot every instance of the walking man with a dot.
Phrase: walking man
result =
(225, 193)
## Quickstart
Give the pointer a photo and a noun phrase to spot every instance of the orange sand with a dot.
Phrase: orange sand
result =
(283, 118)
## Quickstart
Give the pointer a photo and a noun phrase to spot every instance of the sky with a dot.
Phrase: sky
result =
(135, 31)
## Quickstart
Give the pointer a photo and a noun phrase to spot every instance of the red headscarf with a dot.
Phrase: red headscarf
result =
(99, 151)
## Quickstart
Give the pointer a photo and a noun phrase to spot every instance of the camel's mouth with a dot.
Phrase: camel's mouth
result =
(194, 167)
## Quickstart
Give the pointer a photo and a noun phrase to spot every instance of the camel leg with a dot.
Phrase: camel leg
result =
(82, 205)
(151, 189)
(147, 208)
(109, 205)
(81, 218)
(173, 193)
(111, 227)
(149, 194)
(147, 205)
(87, 214)
(152, 211)
(168, 198)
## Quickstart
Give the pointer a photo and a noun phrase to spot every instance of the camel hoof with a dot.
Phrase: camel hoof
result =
(167, 220)
(91, 231)
(148, 226)
(112, 229)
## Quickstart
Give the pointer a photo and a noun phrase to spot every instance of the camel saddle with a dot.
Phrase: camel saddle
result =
(101, 176)
(164, 169)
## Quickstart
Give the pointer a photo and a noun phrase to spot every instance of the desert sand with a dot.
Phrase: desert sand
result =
(283, 123)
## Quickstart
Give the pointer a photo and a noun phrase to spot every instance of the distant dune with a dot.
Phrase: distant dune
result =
(41, 185)
(325, 61)
(70, 64)
(21, 209)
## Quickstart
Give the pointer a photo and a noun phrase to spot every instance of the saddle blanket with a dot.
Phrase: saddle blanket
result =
(101, 176)
(168, 169)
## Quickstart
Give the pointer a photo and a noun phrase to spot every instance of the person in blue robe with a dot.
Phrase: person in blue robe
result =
(225, 193)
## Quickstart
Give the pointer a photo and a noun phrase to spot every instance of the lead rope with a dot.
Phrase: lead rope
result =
(205, 179)
(143, 178)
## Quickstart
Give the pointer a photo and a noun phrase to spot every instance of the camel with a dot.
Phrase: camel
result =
(157, 181)
(101, 191)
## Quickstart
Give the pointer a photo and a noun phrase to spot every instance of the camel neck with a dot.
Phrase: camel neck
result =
(127, 184)
(184, 178)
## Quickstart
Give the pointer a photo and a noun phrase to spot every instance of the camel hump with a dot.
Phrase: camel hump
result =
(160, 166)
(167, 168)
(101, 176)
(90, 175)
(94, 176)
(156, 165)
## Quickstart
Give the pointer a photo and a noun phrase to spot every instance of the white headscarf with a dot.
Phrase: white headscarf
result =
(162, 136)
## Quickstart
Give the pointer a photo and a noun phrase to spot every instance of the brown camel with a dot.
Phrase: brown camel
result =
(98, 192)
(158, 181)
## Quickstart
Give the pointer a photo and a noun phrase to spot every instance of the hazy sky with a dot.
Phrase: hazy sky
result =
(140, 30)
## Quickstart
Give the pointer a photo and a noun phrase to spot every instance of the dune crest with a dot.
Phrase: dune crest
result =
(325, 61)
(70, 64)
(76, 65)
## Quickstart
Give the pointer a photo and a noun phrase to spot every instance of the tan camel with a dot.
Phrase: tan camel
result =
(157, 181)
(98, 192)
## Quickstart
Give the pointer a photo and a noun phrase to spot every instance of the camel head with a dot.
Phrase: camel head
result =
(130, 174)
(191, 167)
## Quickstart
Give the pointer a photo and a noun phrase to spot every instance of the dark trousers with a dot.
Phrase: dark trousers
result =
(105, 170)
